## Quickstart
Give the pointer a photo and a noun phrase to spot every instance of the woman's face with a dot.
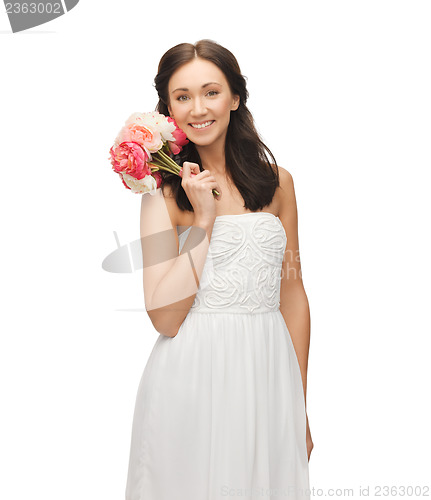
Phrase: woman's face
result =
(200, 93)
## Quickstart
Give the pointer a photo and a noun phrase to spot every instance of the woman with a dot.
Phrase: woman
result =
(221, 406)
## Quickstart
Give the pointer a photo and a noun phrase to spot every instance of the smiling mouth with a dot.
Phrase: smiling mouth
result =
(198, 126)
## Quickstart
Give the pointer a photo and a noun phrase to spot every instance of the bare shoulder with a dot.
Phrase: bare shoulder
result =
(285, 192)
(286, 179)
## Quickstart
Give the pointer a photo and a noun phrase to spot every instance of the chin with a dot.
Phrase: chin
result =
(203, 142)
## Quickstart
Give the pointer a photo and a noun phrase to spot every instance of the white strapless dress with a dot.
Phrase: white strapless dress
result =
(220, 409)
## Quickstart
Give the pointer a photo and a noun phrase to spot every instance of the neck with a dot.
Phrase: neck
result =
(213, 158)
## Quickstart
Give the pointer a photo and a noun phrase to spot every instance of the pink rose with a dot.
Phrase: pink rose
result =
(179, 137)
(158, 177)
(150, 140)
(131, 159)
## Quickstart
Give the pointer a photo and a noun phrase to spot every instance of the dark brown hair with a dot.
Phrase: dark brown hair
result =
(246, 162)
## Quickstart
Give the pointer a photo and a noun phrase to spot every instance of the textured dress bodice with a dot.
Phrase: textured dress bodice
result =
(242, 272)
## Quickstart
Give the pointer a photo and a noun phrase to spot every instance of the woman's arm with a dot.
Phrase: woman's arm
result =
(170, 280)
(293, 299)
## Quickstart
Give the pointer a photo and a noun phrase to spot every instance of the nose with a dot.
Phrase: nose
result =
(198, 108)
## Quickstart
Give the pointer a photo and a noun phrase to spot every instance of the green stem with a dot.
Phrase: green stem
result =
(165, 162)
(168, 160)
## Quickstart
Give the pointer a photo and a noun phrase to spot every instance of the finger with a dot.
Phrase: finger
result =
(195, 168)
(209, 186)
(189, 169)
(200, 176)
(185, 170)
(204, 175)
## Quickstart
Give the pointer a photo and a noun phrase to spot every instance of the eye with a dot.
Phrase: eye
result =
(214, 92)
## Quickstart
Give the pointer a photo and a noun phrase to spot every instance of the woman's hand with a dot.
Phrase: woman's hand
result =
(198, 187)
(310, 444)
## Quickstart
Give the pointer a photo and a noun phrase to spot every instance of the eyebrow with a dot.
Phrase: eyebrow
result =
(203, 86)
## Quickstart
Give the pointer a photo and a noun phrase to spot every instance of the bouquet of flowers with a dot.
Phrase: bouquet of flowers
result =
(145, 145)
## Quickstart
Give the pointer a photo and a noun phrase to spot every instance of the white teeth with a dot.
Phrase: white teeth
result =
(203, 124)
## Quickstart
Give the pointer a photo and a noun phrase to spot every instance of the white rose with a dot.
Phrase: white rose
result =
(140, 186)
(156, 121)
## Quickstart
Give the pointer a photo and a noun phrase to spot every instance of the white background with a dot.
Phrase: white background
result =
(340, 92)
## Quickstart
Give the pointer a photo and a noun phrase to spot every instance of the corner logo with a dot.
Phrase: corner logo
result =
(25, 14)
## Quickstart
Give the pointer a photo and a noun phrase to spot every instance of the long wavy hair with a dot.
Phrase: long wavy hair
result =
(247, 164)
